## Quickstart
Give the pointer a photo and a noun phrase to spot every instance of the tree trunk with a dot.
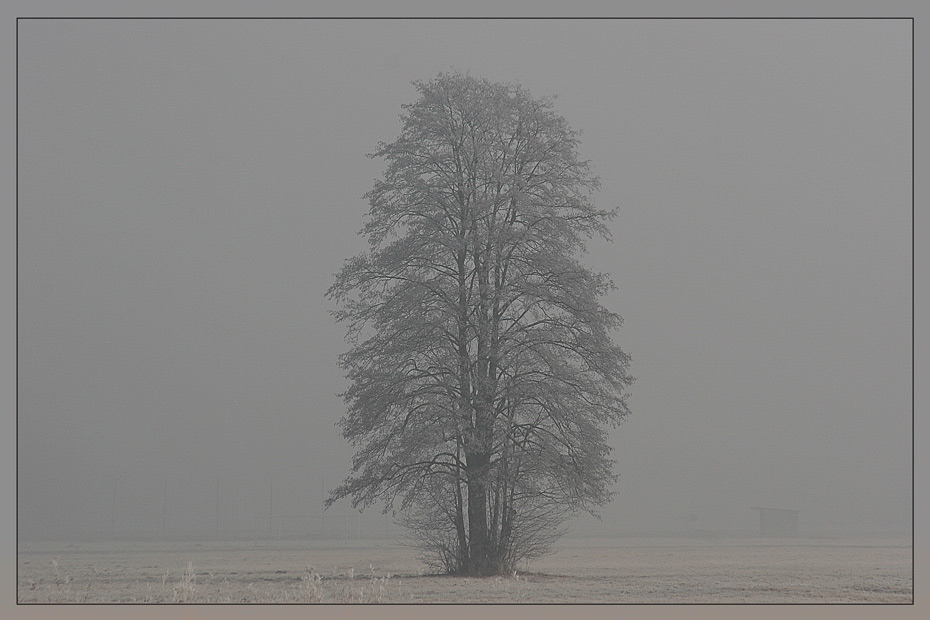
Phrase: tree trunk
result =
(477, 515)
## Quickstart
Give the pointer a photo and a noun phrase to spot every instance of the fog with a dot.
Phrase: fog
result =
(187, 189)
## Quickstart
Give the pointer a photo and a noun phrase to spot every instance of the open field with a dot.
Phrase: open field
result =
(622, 570)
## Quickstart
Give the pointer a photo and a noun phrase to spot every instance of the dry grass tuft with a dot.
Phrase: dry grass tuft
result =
(184, 590)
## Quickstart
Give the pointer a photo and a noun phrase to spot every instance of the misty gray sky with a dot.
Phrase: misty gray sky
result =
(188, 188)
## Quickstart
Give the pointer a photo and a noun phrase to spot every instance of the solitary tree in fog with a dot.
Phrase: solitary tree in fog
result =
(482, 373)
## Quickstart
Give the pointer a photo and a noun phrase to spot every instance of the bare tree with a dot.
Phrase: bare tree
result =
(483, 376)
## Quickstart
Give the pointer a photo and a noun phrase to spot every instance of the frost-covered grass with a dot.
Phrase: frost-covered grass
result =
(131, 581)
(611, 570)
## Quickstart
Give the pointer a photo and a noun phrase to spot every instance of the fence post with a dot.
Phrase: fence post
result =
(164, 511)
(217, 532)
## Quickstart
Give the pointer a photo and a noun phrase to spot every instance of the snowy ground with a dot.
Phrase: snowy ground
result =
(623, 570)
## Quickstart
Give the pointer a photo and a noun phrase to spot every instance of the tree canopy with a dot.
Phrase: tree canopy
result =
(483, 377)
